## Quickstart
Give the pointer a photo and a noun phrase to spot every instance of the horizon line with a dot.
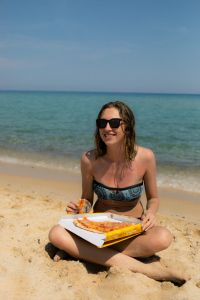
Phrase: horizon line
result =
(94, 91)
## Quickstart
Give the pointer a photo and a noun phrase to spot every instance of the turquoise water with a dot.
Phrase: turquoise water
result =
(52, 129)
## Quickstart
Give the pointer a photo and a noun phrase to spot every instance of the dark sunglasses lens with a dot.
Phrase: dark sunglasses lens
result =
(114, 123)
(101, 123)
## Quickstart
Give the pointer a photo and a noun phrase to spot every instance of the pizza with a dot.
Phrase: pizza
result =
(84, 206)
(99, 226)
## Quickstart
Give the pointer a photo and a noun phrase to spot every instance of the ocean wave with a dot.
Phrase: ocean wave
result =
(168, 177)
(187, 180)
(64, 165)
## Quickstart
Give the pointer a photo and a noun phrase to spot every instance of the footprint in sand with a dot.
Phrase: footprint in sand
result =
(198, 284)
(197, 232)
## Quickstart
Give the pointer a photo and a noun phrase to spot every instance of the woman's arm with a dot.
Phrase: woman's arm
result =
(87, 176)
(151, 191)
(87, 181)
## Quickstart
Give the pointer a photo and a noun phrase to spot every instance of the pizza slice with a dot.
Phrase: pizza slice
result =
(84, 206)
(100, 226)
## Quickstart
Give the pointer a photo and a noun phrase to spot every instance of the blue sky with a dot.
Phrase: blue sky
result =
(100, 45)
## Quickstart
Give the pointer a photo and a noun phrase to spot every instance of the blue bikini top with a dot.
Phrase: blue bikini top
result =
(130, 193)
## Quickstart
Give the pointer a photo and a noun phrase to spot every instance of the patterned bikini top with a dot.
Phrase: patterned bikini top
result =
(130, 193)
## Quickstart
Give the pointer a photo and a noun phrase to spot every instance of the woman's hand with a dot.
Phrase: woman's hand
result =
(72, 208)
(148, 220)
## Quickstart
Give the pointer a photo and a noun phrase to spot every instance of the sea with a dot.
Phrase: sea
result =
(52, 129)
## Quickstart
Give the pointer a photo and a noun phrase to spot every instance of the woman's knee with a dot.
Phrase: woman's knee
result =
(164, 238)
(54, 233)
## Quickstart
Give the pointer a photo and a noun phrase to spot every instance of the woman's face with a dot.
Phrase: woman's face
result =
(111, 136)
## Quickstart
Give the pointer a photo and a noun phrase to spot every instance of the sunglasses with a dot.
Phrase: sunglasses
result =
(114, 123)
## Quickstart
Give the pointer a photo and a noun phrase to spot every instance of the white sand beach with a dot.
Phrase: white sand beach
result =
(32, 202)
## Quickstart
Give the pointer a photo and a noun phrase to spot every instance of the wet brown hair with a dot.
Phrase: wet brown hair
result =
(129, 120)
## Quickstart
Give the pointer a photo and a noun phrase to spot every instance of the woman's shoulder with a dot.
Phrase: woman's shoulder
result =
(88, 157)
(146, 154)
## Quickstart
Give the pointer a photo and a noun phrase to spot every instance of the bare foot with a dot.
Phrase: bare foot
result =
(60, 254)
(160, 272)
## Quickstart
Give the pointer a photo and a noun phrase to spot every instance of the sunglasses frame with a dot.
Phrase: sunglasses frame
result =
(101, 122)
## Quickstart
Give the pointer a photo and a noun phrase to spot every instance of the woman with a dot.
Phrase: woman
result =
(116, 171)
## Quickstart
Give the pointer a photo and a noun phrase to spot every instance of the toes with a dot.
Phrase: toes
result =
(59, 255)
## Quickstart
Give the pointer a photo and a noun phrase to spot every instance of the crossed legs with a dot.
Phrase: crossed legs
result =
(122, 254)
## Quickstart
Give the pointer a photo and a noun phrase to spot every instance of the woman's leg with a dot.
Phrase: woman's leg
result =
(147, 244)
(108, 256)
(81, 249)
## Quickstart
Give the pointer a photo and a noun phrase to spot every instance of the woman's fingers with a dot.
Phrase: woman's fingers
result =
(148, 221)
(72, 208)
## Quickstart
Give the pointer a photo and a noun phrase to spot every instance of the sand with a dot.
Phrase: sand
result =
(32, 202)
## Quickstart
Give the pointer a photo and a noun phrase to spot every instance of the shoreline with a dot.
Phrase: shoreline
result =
(67, 186)
(168, 175)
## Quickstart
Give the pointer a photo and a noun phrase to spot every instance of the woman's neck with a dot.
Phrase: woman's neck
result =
(115, 154)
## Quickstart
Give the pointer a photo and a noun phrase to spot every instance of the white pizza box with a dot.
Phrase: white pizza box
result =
(103, 239)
